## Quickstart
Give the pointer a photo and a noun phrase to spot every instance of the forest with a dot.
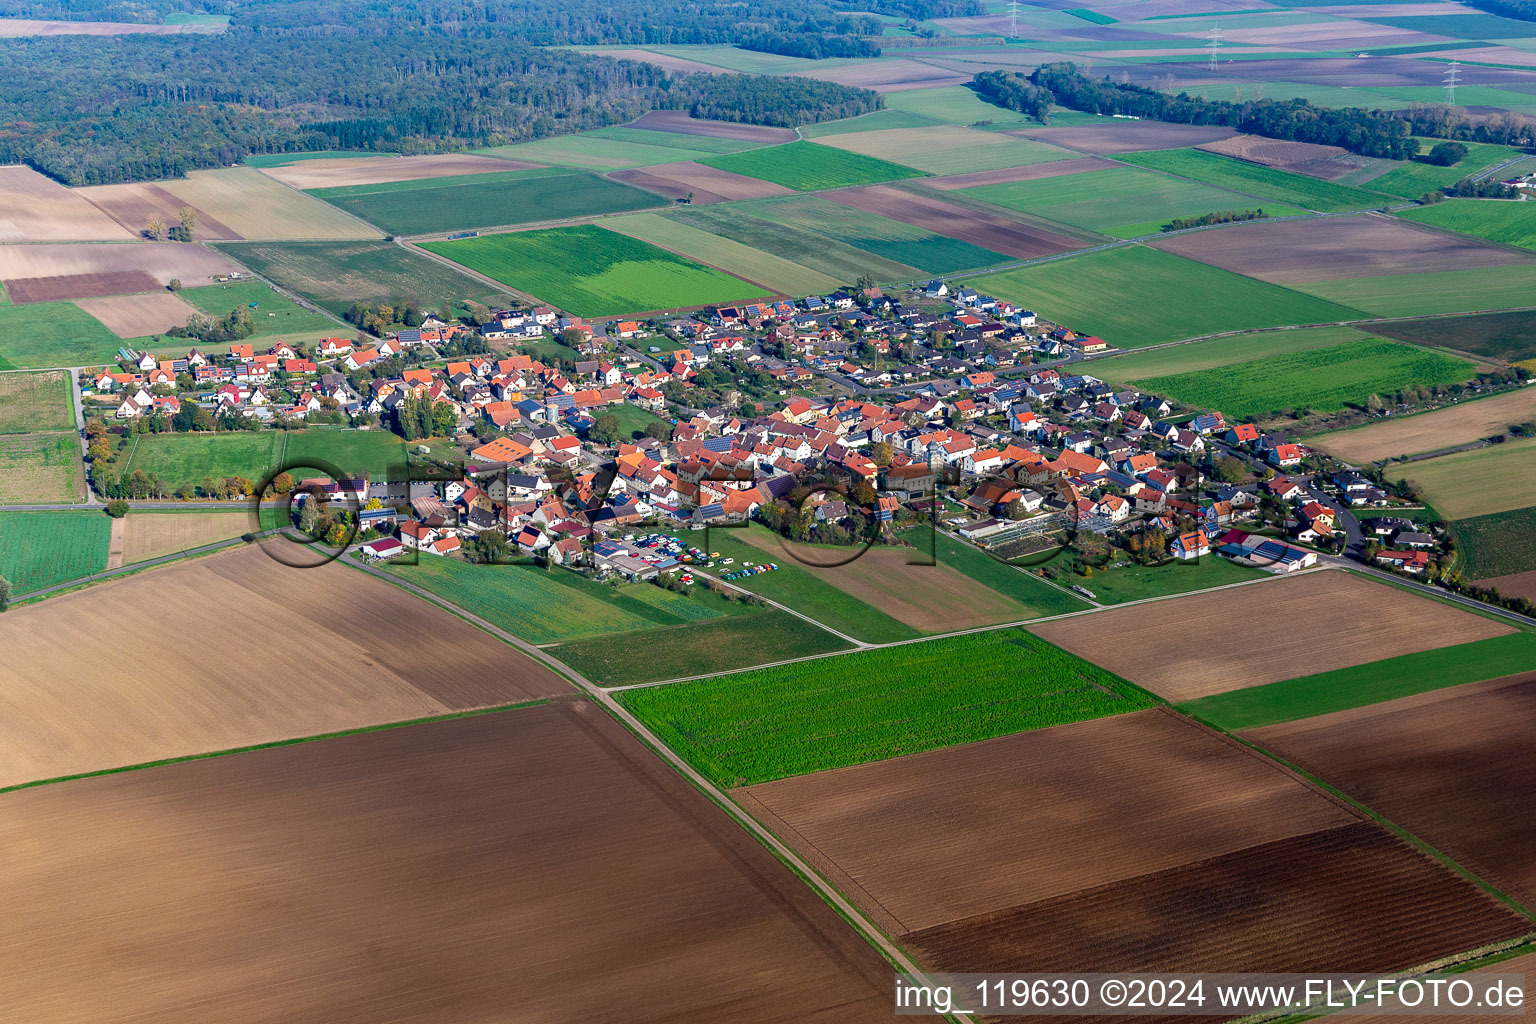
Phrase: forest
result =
(414, 76)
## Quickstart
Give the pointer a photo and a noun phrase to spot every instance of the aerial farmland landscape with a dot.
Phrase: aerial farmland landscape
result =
(810, 511)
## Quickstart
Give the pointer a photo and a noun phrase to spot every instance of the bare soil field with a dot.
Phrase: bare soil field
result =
(24, 290)
(1036, 815)
(1518, 965)
(193, 264)
(706, 184)
(998, 233)
(1328, 248)
(147, 535)
(1451, 766)
(887, 75)
(374, 170)
(230, 650)
(1430, 431)
(1520, 584)
(135, 316)
(1140, 10)
(930, 598)
(1350, 899)
(34, 208)
(1327, 162)
(1325, 35)
(131, 204)
(257, 207)
(679, 122)
(16, 28)
(1127, 136)
(1031, 172)
(1194, 646)
(664, 61)
(537, 862)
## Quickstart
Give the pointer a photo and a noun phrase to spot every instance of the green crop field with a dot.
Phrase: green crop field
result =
(879, 120)
(948, 149)
(1507, 336)
(284, 159)
(1480, 482)
(334, 275)
(719, 645)
(797, 587)
(1472, 25)
(44, 334)
(731, 256)
(1324, 379)
(795, 243)
(593, 272)
(1124, 202)
(956, 104)
(33, 402)
(275, 315)
(191, 458)
(1263, 182)
(39, 549)
(1499, 220)
(1371, 683)
(546, 606)
(674, 140)
(596, 153)
(1500, 544)
(1036, 596)
(831, 712)
(1213, 352)
(882, 236)
(1442, 291)
(1414, 178)
(1134, 296)
(40, 468)
(485, 200)
(808, 167)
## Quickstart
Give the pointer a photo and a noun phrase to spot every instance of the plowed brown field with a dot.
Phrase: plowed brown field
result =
(134, 316)
(25, 290)
(998, 233)
(131, 204)
(1452, 766)
(147, 535)
(34, 208)
(1030, 172)
(678, 121)
(230, 650)
(375, 170)
(536, 865)
(1224, 640)
(1302, 157)
(193, 264)
(1127, 136)
(1036, 815)
(1431, 431)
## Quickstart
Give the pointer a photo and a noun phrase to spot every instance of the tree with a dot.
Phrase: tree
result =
(175, 284)
(659, 429)
(880, 453)
(1230, 471)
(1374, 404)
(188, 217)
(5, 593)
(117, 508)
(865, 283)
(573, 336)
(1446, 154)
(608, 428)
(155, 227)
(309, 514)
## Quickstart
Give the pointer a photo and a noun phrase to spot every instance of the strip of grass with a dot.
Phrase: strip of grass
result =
(481, 200)
(717, 646)
(1134, 296)
(1325, 379)
(757, 726)
(1371, 683)
(807, 167)
(1439, 291)
(47, 334)
(39, 549)
(1500, 544)
(1500, 220)
(1264, 182)
(592, 272)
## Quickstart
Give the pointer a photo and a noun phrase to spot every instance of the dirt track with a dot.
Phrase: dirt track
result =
(1224, 640)
(536, 864)
(1452, 766)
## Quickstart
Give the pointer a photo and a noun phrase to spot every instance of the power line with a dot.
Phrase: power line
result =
(1452, 77)
(1215, 43)
(1013, 19)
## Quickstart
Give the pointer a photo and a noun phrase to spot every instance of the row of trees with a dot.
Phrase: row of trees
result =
(1207, 219)
(216, 330)
(156, 231)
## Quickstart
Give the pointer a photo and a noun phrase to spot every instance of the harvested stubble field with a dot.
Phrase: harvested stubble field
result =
(40, 468)
(441, 871)
(1324, 379)
(27, 290)
(1189, 647)
(71, 707)
(160, 261)
(1036, 815)
(307, 174)
(131, 204)
(33, 402)
(1031, 172)
(256, 207)
(1480, 482)
(1301, 157)
(808, 166)
(1116, 137)
(1443, 765)
(137, 316)
(1430, 431)
(705, 184)
(997, 233)
(1328, 248)
(149, 535)
(767, 724)
(34, 208)
(680, 122)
